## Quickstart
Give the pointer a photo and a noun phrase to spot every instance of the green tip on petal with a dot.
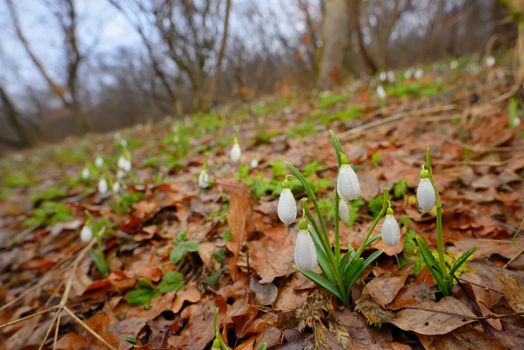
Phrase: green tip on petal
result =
(343, 158)
(236, 140)
(424, 174)
(390, 211)
(302, 225)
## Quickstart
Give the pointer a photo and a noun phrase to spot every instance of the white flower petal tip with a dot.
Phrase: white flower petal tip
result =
(235, 152)
(254, 163)
(86, 234)
(426, 195)
(305, 252)
(390, 231)
(343, 210)
(124, 164)
(381, 92)
(99, 162)
(203, 179)
(116, 188)
(102, 186)
(287, 207)
(85, 173)
(348, 186)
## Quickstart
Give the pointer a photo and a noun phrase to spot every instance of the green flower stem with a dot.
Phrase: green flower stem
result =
(375, 223)
(438, 204)
(337, 226)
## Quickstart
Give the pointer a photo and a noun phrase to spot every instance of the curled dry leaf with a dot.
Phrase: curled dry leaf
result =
(374, 314)
(265, 294)
(464, 338)
(190, 293)
(513, 291)
(434, 318)
(384, 288)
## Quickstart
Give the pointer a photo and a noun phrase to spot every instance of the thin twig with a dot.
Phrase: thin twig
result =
(89, 329)
(28, 317)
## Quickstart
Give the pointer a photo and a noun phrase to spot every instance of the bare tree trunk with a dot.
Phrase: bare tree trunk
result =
(518, 7)
(336, 41)
(354, 9)
(220, 57)
(13, 116)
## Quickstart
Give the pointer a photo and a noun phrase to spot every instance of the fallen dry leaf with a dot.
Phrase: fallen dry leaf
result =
(513, 291)
(385, 288)
(190, 293)
(453, 314)
(464, 338)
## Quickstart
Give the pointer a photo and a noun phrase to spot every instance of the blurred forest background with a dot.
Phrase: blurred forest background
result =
(75, 66)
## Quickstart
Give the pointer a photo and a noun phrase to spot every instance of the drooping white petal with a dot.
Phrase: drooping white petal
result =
(418, 74)
(343, 210)
(305, 252)
(99, 162)
(254, 163)
(116, 187)
(85, 173)
(203, 179)
(348, 186)
(235, 153)
(390, 231)
(102, 186)
(426, 195)
(391, 76)
(381, 92)
(86, 234)
(287, 207)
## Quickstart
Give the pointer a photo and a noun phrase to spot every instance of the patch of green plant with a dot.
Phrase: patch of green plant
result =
(48, 214)
(513, 113)
(278, 169)
(375, 158)
(228, 236)
(303, 129)
(351, 112)
(214, 277)
(182, 248)
(18, 179)
(328, 100)
(101, 264)
(400, 188)
(411, 253)
(354, 208)
(414, 89)
(151, 162)
(171, 282)
(50, 193)
(313, 168)
(375, 204)
(124, 202)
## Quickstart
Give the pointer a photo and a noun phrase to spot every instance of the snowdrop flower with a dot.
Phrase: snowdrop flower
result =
(453, 65)
(116, 187)
(85, 173)
(382, 76)
(390, 231)
(348, 186)
(123, 143)
(343, 210)
(490, 61)
(381, 92)
(254, 163)
(391, 76)
(99, 162)
(425, 192)
(235, 152)
(120, 174)
(86, 234)
(102, 186)
(418, 74)
(203, 179)
(287, 207)
(124, 164)
(305, 251)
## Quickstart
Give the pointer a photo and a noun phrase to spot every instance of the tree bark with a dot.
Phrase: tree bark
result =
(368, 60)
(13, 116)
(336, 42)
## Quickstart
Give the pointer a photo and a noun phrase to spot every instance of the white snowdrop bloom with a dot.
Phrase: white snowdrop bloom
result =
(287, 207)
(235, 152)
(116, 187)
(343, 210)
(391, 76)
(120, 174)
(426, 196)
(254, 163)
(102, 186)
(86, 234)
(381, 92)
(99, 162)
(453, 65)
(348, 186)
(390, 231)
(418, 74)
(490, 61)
(203, 179)
(123, 143)
(408, 74)
(305, 251)
(85, 173)
(124, 164)
(382, 76)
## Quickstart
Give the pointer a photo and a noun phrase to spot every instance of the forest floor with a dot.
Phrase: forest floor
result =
(167, 254)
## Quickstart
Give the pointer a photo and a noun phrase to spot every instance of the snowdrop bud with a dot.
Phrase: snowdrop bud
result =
(425, 192)
(382, 76)
(99, 162)
(381, 92)
(116, 187)
(453, 65)
(305, 251)
(85, 173)
(203, 179)
(348, 187)
(418, 74)
(287, 207)
(86, 234)
(391, 76)
(235, 152)
(408, 74)
(343, 210)
(102, 186)
(124, 164)
(120, 174)
(490, 61)
(390, 231)
(254, 163)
